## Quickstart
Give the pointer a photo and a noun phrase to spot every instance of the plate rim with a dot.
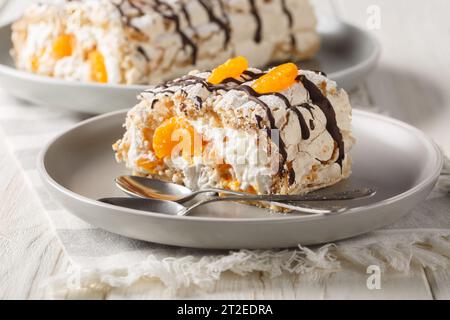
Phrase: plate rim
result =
(432, 178)
(367, 64)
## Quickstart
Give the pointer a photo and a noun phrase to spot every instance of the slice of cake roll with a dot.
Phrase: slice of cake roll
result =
(149, 41)
(284, 131)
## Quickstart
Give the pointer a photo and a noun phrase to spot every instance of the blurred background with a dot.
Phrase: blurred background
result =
(411, 81)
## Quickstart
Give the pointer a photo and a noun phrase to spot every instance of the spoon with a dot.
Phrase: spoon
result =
(141, 187)
(175, 209)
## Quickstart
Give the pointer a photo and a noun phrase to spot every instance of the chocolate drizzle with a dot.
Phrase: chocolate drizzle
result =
(324, 104)
(186, 14)
(253, 75)
(154, 102)
(291, 174)
(225, 26)
(198, 102)
(231, 80)
(255, 13)
(143, 53)
(303, 126)
(134, 6)
(308, 107)
(166, 91)
(126, 18)
(168, 13)
(290, 19)
(288, 13)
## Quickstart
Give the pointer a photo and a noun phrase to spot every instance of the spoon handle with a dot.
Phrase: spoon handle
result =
(345, 195)
(298, 208)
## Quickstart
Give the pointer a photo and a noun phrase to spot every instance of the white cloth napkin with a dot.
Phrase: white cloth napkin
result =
(102, 260)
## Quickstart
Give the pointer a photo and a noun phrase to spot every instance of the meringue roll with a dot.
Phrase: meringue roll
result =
(149, 41)
(283, 131)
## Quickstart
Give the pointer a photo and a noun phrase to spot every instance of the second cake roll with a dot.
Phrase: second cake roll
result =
(147, 41)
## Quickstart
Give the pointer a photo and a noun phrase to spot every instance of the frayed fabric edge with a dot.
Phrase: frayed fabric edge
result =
(390, 251)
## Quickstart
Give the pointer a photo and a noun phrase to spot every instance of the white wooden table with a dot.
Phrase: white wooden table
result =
(411, 83)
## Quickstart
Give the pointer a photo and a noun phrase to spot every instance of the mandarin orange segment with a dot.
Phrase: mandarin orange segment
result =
(236, 186)
(35, 63)
(63, 46)
(98, 67)
(233, 68)
(278, 79)
(172, 133)
(251, 190)
(148, 165)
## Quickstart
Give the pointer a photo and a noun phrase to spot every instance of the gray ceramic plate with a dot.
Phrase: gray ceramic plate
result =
(347, 56)
(78, 167)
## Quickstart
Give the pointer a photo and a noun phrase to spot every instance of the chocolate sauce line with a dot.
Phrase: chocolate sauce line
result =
(324, 104)
(186, 15)
(308, 107)
(292, 176)
(232, 80)
(261, 126)
(290, 18)
(225, 17)
(253, 75)
(288, 13)
(198, 102)
(172, 16)
(225, 26)
(166, 91)
(301, 119)
(143, 53)
(153, 103)
(125, 18)
(137, 8)
(255, 13)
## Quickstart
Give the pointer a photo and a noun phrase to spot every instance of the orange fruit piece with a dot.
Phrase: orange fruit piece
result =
(174, 132)
(148, 165)
(233, 68)
(236, 186)
(98, 67)
(35, 63)
(278, 79)
(63, 46)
